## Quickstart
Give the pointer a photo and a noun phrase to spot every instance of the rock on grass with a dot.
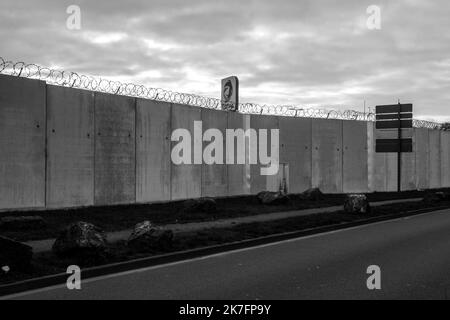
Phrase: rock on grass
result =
(273, 198)
(313, 194)
(147, 237)
(356, 204)
(82, 241)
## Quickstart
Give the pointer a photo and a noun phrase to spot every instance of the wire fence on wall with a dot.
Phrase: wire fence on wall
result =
(75, 80)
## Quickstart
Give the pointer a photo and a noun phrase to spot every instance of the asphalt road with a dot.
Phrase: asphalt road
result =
(413, 254)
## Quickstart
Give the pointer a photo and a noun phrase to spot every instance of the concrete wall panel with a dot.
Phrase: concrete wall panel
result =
(435, 158)
(409, 180)
(186, 178)
(22, 143)
(379, 173)
(409, 171)
(260, 182)
(115, 152)
(327, 155)
(238, 174)
(376, 163)
(70, 147)
(355, 157)
(153, 163)
(295, 150)
(376, 180)
(391, 172)
(214, 177)
(445, 159)
(421, 152)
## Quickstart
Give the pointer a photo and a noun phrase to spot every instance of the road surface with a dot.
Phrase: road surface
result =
(413, 254)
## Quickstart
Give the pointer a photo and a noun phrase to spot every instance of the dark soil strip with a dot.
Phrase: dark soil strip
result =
(117, 218)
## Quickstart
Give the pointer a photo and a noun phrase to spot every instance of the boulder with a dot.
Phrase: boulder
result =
(19, 222)
(313, 194)
(14, 255)
(273, 198)
(356, 203)
(203, 205)
(81, 240)
(147, 237)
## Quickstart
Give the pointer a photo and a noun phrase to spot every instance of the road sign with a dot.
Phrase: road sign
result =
(394, 133)
(394, 108)
(393, 124)
(394, 116)
(230, 94)
(393, 145)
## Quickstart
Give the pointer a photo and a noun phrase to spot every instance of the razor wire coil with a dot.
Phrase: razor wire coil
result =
(79, 81)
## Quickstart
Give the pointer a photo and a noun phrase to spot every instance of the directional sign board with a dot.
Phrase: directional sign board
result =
(393, 134)
(393, 145)
(394, 128)
(394, 124)
(394, 109)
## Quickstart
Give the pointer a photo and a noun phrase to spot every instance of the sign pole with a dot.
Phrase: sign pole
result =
(399, 154)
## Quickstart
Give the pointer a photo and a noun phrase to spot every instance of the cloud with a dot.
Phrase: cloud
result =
(313, 53)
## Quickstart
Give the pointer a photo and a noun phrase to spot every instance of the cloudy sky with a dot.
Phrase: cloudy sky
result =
(302, 52)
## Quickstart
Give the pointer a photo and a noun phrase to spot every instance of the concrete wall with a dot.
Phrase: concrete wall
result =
(214, 176)
(70, 147)
(409, 169)
(153, 164)
(376, 162)
(355, 159)
(295, 150)
(22, 143)
(327, 155)
(63, 147)
(434, 168)
(260, 182)
(445, 158)
(186, 178)
(238, 175)
(115, 152)
(422, 158)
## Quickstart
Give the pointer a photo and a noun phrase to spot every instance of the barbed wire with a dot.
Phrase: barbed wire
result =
(75, 80)
(417, 123)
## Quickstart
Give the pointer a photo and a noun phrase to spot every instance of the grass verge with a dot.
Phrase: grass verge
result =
(123, 217)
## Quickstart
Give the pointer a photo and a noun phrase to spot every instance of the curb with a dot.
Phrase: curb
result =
(60, 279)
